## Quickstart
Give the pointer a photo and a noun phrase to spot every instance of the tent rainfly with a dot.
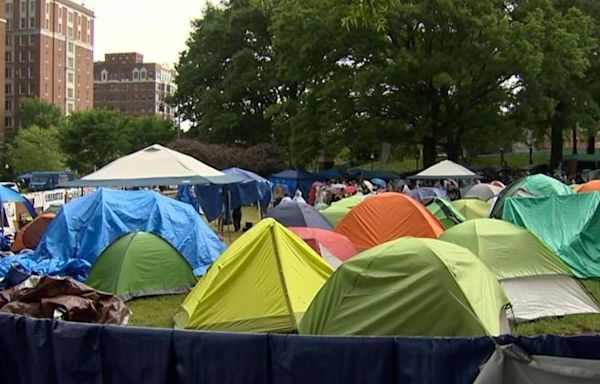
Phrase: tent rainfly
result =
(445, 170)
(154, 165)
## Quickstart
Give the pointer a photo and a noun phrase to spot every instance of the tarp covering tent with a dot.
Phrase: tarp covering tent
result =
(151, 166)
(537, 281)
(425, 194)
(530, 186)
(445, 212)
(445, 169)
(483, 191)
(210, 198)
(141, 264)
(294, 179)
(87, 225)
(298, 214)
(30, 235)
(568, 224)
(388, 216)
(7, 195)
(590, 186)
(339, 209)
(262, 283)
(332, 247)
(413, 287)
(472, 208)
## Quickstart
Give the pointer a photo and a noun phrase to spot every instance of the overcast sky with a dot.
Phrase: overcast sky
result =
(156, 28)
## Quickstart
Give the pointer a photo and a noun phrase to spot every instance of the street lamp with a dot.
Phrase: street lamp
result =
(530, 145)
(372, 159)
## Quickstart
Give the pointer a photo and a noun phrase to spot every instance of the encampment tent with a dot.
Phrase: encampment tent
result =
(530, 186)
(298, 214)
(87, 225)
(294, 179)
(262, 283)
(590, 186)
(445, 169)
(537, 281)
(386, 217)
(30, 235)
(151, 166)
(410, 286)
(425, 194)
(332, 247)
(339, 209)
(472, 208)
(568, 224)
(141, 264)
(445, 212)
(483, 191)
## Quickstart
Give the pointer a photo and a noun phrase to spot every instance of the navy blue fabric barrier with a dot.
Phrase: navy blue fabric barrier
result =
(43, 351)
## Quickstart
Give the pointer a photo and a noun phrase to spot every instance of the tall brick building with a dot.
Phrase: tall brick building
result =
(2, 68)
(125, 83)
(49, 55)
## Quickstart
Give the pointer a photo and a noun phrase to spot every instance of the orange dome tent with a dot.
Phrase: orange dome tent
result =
(590, 186)
(386, 217)
(30, 235)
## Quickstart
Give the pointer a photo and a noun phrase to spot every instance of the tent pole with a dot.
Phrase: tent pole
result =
(228, 210)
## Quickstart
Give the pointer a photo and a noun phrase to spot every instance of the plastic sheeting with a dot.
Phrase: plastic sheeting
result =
(568, 224)
(86, 226)
(55, 352)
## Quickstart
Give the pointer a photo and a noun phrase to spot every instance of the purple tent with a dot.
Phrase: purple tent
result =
(298, 214)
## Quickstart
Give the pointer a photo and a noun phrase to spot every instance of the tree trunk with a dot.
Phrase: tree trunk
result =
(556, 137)
(453, 149)
(429, 151)
(574, 140)
(591, 144)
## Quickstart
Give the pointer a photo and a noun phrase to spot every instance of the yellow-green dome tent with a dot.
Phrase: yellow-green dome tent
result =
(472, 208)
(262, 283)
(338, 210)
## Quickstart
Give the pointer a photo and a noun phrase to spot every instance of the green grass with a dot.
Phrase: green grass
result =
(154, 311)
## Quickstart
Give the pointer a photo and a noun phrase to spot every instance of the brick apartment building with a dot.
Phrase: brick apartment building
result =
(49, 55)
(2, 69)
(125, 83)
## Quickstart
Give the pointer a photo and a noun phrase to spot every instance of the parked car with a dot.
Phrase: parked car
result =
(44, 181)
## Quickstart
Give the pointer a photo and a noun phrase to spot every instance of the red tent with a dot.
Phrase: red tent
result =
(333, 247)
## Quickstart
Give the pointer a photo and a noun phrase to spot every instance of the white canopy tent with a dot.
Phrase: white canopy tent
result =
(152, 166)
(445, 169)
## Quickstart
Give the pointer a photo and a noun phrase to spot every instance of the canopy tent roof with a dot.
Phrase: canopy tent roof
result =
(262, 283)
(154, 165)
(412, 287)
(568, 224)
(141, 264)
(386, 217)
(445, 169)
(536, 280)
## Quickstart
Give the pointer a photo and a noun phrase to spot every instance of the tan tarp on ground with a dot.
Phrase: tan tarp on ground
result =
(68, 299)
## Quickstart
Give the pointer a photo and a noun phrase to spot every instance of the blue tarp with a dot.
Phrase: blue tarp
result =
(86, 226)
(250, 190)
(56, 352)
(295, 179)
(8, 195)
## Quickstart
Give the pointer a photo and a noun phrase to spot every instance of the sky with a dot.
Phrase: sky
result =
(158, 29)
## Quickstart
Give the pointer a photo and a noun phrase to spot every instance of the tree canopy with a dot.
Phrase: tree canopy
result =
(36, 149)
(40, 113)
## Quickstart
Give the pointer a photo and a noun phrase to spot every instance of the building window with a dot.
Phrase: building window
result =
(70, 47)
(79, 19)
(30, 72)
(8, 122)
(45, 72)
(8, 57)
(60, 12)
(8, 89)
(21, 56)
(47, 8)
(31, 42)
(8, 9)
(46, 55)
(8, 40)
(60, 27)
(104, 75)
(136, 74)
(9, 25)
(30, 89)
(143, 74)
(21, 73)
(23, 23)
(8, 105)
(46, 88)
(70, 78)
(21, 89)
(8, 72)
(79, 34)
(70, 93)
(22, 40)
(30, 55)
(31, 6)
(32, 22)
(70, 107)
(23, 7)
(47, 23)
(70, 32)
(70, 62)
(70, 17)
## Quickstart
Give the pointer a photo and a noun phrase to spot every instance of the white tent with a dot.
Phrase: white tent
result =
(483, 192)
(445, 170)
(154, 165)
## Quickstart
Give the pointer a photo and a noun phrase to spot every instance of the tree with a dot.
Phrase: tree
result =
(93, 138)
(148, 130)
(36, 149)
(226, 78)
(38, 112)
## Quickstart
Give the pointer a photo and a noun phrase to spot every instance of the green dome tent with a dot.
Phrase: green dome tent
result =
(535, 279)
(141, 264)
(338, 210)
(445, 212)
(530, 186)
(413, 287)
(472, 208)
